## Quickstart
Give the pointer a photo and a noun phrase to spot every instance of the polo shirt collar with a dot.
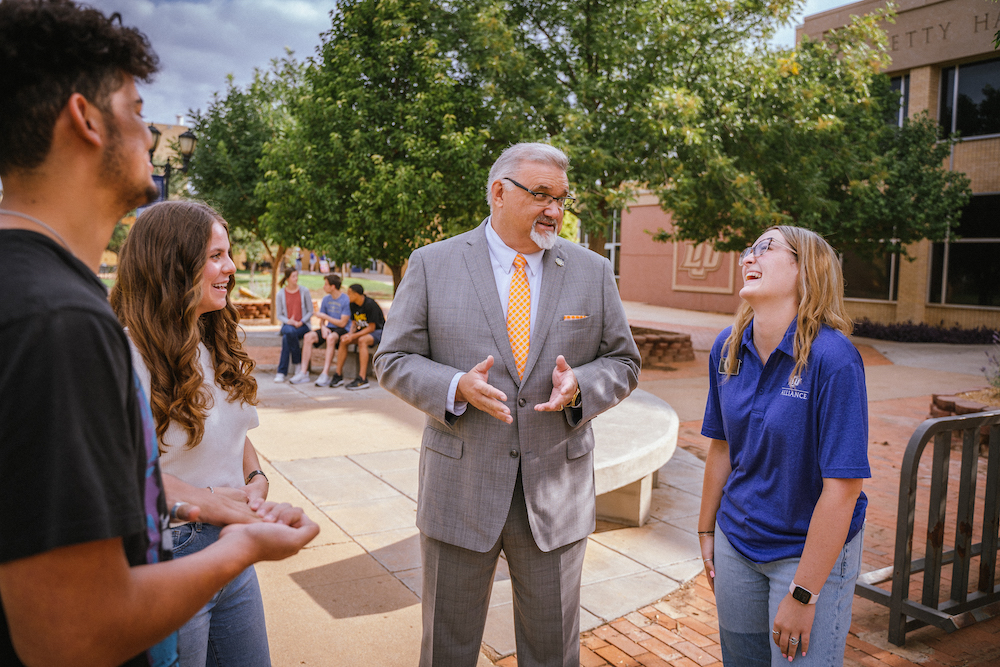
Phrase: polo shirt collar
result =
(504, 255)
(787, 344)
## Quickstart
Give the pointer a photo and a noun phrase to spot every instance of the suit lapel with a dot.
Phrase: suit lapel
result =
(553, 274)
(479, 264)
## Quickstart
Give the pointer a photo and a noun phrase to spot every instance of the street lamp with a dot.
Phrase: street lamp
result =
(186, 141)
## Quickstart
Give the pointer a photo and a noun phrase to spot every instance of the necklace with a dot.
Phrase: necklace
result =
(18, 214)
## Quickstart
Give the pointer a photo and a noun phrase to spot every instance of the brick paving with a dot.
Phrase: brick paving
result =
(682, 630)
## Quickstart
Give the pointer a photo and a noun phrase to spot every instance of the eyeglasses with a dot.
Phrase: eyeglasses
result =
(543, 198)
(763, 246)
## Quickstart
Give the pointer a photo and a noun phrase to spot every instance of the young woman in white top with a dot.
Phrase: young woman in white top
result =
(172, 293)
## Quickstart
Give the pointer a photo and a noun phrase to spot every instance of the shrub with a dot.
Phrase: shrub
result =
(992, 368)
(908, 332)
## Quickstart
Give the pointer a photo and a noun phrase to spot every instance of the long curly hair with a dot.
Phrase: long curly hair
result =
(157, 293)
(820, 294)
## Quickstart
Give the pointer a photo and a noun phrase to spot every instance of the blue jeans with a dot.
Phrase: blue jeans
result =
(291, 344)
(747, 596)
(230, 629)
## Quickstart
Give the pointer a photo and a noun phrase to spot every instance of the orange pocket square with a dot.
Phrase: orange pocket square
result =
(575, 317)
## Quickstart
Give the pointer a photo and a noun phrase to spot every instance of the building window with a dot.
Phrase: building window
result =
(965, 271)
(970, 99)
(865, 278)
(900, 84)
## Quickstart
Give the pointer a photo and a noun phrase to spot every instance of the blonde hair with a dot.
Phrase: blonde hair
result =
(156, 295)
(820, 298)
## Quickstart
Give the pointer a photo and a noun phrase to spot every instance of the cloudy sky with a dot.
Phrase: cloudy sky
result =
(201, 41)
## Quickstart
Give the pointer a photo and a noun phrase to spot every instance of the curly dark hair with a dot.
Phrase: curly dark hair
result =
(50, 49)
(156, 296)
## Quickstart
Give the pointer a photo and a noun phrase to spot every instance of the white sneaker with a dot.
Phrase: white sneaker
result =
(300, 378)
(280, 377)
(323, 381)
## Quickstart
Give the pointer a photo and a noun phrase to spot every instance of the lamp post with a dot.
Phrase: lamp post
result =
(186, 141)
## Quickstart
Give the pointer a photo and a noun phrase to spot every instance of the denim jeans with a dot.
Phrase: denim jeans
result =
(747, 596)
(291, 344)
(229, 631)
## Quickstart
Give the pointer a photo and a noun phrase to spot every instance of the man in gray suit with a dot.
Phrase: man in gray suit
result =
(511, 340)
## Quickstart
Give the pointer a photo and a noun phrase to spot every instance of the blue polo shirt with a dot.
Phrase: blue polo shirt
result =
(784, 437)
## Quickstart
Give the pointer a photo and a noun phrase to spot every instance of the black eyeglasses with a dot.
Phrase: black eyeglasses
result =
(762, 246)
(543, 198)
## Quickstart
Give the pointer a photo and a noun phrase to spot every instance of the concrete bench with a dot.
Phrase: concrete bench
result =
(633, 440)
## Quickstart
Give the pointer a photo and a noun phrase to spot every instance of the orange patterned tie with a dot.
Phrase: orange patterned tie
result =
(519, 314)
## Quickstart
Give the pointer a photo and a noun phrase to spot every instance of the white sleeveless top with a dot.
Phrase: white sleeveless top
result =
(218, 459)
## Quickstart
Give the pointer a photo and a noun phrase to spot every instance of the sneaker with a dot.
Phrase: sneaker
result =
(280, 377)
(300, 378)
(336, 380)
(323, 381)
(358, 383)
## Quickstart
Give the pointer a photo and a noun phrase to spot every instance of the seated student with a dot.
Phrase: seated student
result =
(295, 309)
(367, 321)
(335, 313)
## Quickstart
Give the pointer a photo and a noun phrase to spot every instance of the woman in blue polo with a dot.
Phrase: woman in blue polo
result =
(782, 509)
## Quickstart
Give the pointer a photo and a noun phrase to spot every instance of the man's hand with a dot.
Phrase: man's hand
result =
(563, 387)
(272, 540)
(474, 388)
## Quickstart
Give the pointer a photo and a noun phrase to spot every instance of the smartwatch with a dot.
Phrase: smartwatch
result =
(802, 595)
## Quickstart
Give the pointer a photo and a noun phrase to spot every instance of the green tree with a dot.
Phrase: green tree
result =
(800, 137)
(226, 166)
(591, 75)
(389, 151)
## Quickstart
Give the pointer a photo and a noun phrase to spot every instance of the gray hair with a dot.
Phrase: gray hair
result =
(510, 161)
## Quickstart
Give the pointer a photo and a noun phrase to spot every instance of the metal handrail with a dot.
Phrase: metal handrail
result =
(963, 607)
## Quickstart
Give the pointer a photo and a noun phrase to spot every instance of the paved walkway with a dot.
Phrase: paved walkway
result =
(350, 458)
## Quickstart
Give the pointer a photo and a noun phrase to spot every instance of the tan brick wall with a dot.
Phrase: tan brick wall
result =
(883, 312)
(913, 283)
(924, 90)
(979, 159)
(963, 316)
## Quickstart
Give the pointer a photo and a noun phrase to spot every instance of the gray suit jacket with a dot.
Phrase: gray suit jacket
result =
(446, 318)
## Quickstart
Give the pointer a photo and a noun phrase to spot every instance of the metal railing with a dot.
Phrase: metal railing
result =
(963, 607)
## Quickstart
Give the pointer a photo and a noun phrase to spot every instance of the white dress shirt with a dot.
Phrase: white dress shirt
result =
(502, 260)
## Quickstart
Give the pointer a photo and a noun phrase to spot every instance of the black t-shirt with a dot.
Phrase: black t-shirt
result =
(77, 443)
(366, 313)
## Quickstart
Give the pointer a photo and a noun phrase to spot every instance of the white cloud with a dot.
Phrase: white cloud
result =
(199, 42)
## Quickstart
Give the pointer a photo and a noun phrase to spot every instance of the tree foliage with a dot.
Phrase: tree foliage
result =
(594, 76)
(226, 166)
(800, 137)
(390, 144)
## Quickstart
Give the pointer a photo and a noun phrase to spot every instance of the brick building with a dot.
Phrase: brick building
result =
(944, 64)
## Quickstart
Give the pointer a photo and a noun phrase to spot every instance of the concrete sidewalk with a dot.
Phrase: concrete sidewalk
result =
(350, 459)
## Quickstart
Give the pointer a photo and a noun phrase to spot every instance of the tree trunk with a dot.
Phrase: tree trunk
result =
(275, 269)
(397, 276)
(597, 241)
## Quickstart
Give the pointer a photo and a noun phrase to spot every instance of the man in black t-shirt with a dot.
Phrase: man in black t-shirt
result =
(367, 322)
(82, 572)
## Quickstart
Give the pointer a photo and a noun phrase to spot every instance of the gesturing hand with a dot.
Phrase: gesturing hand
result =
(563, 387)
(474, 388)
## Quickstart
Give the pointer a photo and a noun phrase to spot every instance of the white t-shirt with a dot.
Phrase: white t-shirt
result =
(218, 459)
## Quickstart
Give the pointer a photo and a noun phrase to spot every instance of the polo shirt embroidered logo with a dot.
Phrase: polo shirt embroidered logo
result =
(793, 390)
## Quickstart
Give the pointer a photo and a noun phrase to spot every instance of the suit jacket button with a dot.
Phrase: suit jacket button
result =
(513, 454)
(521, 402)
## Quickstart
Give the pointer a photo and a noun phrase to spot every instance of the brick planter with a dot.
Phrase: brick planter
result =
(659, 349)
(259, 309)
(947, 405)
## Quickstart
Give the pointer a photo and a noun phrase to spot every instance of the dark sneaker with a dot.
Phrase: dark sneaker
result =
(358, 383)
(337, 380)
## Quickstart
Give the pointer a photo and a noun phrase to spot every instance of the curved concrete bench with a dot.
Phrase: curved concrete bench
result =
(633, 440)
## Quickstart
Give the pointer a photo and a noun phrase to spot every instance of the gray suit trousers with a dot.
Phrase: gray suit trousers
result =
(546, 586)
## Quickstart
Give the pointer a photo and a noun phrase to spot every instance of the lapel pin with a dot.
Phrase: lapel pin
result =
(559, 261)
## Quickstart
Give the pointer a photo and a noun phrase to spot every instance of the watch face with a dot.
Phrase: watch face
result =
(801, 595)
